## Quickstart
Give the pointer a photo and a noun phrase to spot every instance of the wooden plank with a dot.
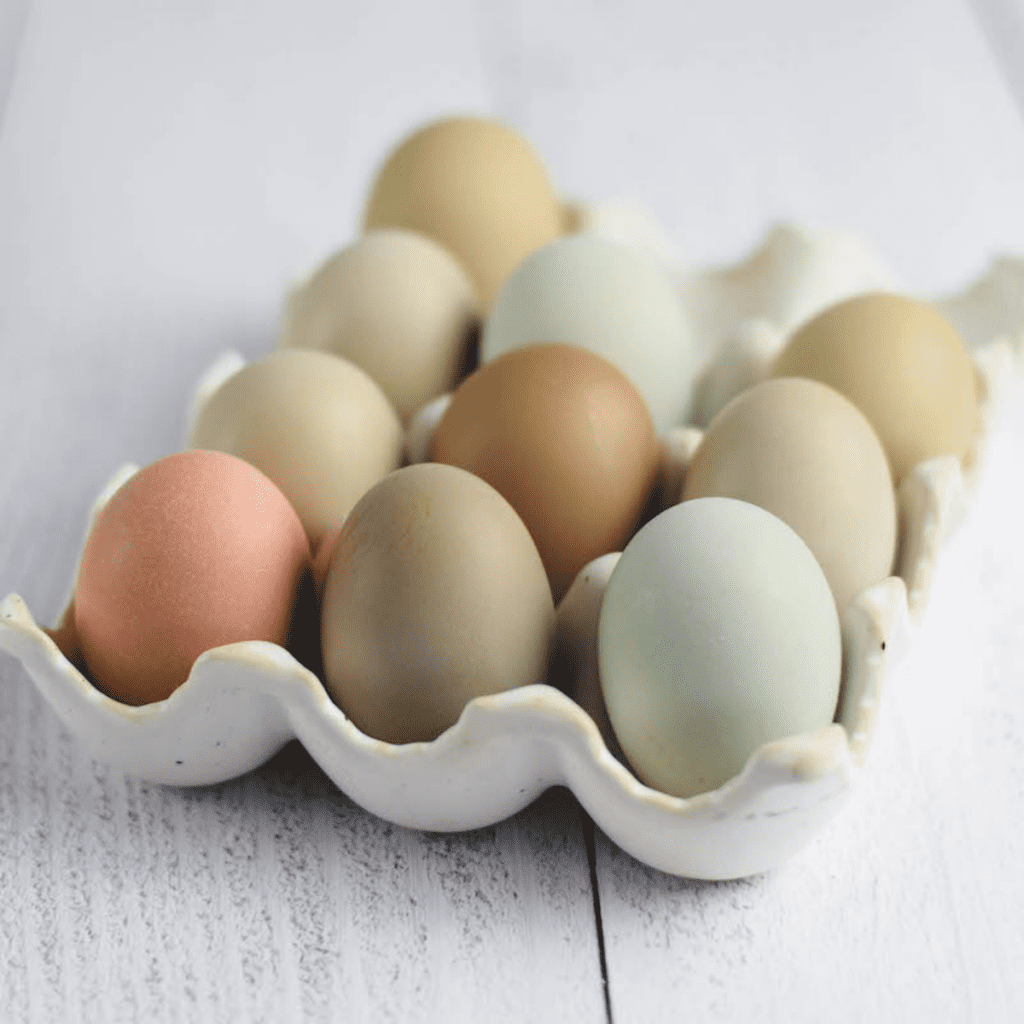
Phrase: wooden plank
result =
(13, 15)
(165, 171)
(1002, 22)
(892, 121)
(273, 894)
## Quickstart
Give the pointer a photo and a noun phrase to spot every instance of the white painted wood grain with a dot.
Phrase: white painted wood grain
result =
(273, 897)
(165, 170)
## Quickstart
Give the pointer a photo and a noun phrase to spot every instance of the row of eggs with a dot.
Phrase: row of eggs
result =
(719, 630)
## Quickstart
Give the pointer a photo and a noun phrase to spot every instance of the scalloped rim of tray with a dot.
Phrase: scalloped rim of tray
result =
(244, 701)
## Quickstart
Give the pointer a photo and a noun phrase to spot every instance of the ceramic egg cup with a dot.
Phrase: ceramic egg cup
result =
(243, 702)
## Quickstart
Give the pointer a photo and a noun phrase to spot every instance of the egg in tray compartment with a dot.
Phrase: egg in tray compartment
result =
(418, 543)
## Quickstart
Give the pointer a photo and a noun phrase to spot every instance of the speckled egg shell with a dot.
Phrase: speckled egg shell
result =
(195, 551)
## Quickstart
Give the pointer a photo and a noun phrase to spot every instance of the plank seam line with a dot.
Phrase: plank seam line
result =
(589, 839)
(6, 88)
(1002, 27)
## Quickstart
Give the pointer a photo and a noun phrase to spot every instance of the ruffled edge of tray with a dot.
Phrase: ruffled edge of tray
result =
(243, 702)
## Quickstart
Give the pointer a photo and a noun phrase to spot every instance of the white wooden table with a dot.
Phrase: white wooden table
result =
(166, 169)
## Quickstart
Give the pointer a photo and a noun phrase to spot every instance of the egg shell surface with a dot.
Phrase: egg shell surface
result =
(803, 452)
(475, 186)
(567, 439)
(435, 594)
(717, 634)
(397, 305)
(314, 423)
(196, 550)
(613, 301)
(901, 364)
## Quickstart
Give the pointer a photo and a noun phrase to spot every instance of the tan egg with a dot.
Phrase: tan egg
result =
(901, 364)
(397, 305)
(435, 595)
(314, 423)
(567, 439)
(475, 186)
(806, 454)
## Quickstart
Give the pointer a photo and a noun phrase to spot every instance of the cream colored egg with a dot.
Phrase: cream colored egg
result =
(435, 594)
(613, 301)
(806, 454)
(314, 423)
(396, 304)
(717, 634)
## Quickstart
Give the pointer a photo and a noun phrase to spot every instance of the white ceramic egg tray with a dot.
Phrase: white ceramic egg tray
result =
(244, 701)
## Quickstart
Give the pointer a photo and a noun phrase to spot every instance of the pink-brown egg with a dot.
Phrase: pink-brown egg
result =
(196, 550)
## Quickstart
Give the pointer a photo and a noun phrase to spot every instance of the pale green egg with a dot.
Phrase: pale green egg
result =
(613, 301)
(718, 633)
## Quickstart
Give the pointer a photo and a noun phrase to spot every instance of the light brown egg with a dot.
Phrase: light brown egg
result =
(316, 424)
(567, 439)
(435, 595)
(397, 305)
(901, 364)
(197, 550)
(803, 452)
(475, 186)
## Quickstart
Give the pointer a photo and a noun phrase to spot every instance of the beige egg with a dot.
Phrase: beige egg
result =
(901, 364)
(435, 595)
(477, 187)
(803, 452)
(314, 423)
(396, 304)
